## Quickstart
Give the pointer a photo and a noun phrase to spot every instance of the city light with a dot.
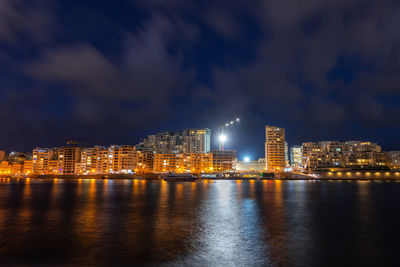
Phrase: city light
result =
(222, 138)
(246, 159)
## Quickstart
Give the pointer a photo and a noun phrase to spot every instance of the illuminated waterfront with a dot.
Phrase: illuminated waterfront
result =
(89, 221)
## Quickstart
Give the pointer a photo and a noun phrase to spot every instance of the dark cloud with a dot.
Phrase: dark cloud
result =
(30, 20)
(132, 90)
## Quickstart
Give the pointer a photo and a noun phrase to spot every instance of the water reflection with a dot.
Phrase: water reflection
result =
(283, 223)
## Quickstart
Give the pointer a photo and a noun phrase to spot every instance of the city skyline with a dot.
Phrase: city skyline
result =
(144, 66)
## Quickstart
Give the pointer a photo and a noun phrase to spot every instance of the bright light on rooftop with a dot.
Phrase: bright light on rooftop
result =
(246, 159)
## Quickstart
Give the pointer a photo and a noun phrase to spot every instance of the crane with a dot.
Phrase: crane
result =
(222, 136)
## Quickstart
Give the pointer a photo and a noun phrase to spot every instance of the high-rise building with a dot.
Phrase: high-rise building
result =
(296, 157)
(287, 163)
(196, 140)
(274, 148)
(68, 158)
(126, 159)
(186, 141)
(40, 160)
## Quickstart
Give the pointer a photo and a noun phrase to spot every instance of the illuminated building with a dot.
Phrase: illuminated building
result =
(68, 157)
(17, 168)
(2, 155)
(223, 160)
(144, 162)
(196, 140)
(40, 160)
(90, 160)
(257, 165)
(287, 163)
(5, 168)
(186, 141)
(394, 159)
(274, 148)
(28, 167)
(183, 162)
(126, 159)
(334, 154)
(52, 166)
(296, 157)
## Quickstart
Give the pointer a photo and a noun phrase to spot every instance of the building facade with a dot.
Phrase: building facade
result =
(296, 157)
(256, 166)
(394, 159)
(186, 141)
(275, 160)
(183, 162)
(223, 160)
(334, 154)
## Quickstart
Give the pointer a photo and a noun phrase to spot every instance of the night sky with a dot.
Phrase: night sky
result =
(114, 71)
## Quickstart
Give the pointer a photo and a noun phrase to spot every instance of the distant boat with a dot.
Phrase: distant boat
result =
(179, 177)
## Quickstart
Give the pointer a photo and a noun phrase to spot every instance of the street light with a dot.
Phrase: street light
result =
(246, 159)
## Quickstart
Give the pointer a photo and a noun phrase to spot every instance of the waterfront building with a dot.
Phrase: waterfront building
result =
(17, 168)
(274, 148)
(5, 168)
(394, 159)
(52, 166)
(91, 160)
(144, 162)
(256, 166)
(334, 154)
(28, 167)
(296, 157)
(2, 155)
(126, 159)
(183, 162)
(223, 160)
(68, 158)
(40, 159)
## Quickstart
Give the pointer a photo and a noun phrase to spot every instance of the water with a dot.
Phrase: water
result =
(208, 223)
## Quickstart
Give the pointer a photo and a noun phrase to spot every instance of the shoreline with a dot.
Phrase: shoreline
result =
(124, 177)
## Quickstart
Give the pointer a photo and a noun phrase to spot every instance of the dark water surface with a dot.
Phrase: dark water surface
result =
(214, 223)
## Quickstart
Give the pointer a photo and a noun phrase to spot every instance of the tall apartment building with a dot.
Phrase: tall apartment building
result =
(68, 158)
(274, 148)
(40, 160)
(196, 140)
(91, 160)
(186, 141)
(296, 157)
(126, 159)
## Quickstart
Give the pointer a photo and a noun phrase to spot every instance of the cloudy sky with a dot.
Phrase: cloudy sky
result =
(102, 71)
